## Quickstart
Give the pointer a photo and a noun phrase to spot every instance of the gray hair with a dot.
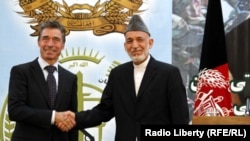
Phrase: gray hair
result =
(52, 24)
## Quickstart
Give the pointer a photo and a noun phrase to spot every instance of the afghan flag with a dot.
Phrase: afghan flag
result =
(213, 79)
(238, 45)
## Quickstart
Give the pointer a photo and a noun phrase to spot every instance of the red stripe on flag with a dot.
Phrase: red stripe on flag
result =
(213, 92)
(213, 79)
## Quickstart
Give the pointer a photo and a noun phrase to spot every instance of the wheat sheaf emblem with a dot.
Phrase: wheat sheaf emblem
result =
(102, 18)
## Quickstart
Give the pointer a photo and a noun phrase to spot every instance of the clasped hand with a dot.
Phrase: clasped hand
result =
(65, 120)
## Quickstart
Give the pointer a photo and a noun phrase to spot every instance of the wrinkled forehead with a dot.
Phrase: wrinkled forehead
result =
(136, 34)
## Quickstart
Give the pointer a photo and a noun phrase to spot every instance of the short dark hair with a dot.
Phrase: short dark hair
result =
(52, 24)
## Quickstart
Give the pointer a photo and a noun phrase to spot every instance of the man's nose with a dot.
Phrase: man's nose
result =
(50, 42)
(135, 44)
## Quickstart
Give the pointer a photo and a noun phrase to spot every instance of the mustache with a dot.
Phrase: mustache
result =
(49, 48)
(135, 49)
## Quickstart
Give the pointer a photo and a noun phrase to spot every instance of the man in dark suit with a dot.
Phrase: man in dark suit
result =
(142, 91)
(29, 103)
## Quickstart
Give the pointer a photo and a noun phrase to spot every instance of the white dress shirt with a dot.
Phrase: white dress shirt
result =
(139, 71)
(43, 64)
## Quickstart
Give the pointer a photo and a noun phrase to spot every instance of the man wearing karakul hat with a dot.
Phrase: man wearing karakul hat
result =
(142, 91)
(137, 24)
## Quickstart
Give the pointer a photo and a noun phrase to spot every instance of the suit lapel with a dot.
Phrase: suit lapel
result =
(129, 81)
(62, 82)
(148, 76)
(40, 80)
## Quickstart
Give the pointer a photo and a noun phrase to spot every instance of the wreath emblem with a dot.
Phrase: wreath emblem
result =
(102, 18)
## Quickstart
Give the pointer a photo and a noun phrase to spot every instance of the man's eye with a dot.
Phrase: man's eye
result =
(129, 41)
(56, 39)
(45, 39)
(140, 40)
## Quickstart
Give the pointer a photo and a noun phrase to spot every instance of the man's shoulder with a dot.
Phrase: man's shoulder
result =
(26, 64)
(162, 63)
(65, 71)
(124, 66)
(164, 66)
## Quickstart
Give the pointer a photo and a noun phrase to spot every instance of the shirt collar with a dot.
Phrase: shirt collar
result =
(143, 64)
(43, 63)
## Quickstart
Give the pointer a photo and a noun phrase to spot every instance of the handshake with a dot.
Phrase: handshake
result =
(65, 120)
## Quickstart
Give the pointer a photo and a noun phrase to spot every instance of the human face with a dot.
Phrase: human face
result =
(137, 45)
(51, 44)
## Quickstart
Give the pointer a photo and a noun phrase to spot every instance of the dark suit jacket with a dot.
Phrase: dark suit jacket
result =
(28, 103)
(161, 100)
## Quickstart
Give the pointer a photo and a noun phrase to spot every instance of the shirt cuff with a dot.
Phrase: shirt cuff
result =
(53, 117)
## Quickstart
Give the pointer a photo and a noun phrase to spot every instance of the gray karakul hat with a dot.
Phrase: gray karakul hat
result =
(136, 24)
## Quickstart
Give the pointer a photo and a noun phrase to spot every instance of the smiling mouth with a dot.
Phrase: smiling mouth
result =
(136, 53)
(50, 50)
